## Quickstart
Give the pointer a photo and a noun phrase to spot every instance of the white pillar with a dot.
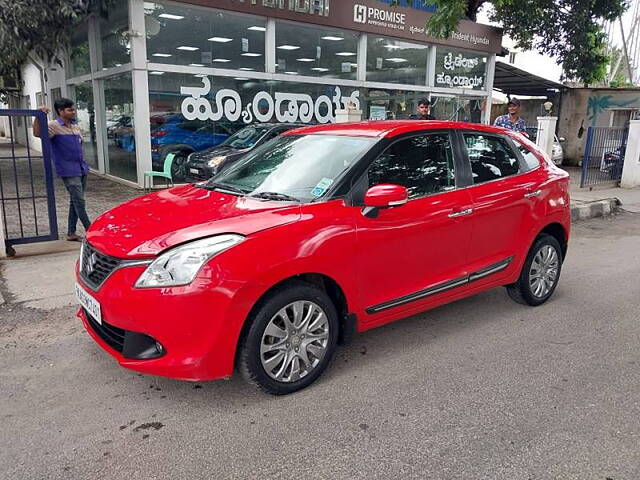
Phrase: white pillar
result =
(546, 132)
(140, 79)
(348, 115)
(488, 86)
(631, 167)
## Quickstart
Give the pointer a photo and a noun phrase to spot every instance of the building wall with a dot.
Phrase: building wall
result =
(32, 85)
(585, 107)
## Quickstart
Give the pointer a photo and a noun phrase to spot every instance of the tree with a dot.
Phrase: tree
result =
(38, 27)
(568, 30)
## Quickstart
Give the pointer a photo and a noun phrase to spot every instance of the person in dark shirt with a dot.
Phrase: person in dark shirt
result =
(424, 111)
(66, 147)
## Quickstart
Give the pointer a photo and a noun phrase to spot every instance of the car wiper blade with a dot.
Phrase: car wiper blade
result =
(221, 187)
(275, 196)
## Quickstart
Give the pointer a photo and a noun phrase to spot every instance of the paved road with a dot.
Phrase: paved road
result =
(480, 389)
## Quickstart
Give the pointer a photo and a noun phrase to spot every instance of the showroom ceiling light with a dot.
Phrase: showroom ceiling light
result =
(221, 60)
(196, 65)
(332, 39)
(291, 73)
(246, 69)
(188, 48)
(256, 28)
(345, 54)
(320, 69)
(170, 16)
(220, 39)
(396, 60)
(164, 55)
(249, 54)
(288, 47)
(305, 59)
(156, 73)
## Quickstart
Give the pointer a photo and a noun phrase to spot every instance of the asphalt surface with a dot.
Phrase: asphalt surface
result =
(479, 389)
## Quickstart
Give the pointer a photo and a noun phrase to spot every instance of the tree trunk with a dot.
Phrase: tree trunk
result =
(472, 8)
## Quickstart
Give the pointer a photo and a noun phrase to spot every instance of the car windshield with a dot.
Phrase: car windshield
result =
(293, 167)
(245, 138)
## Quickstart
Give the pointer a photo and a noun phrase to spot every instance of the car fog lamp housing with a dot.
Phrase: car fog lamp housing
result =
(216, 161)
(180, 265)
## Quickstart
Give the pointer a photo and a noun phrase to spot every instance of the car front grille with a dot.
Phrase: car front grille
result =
(133, 345)
(95, 267)
(112, 336)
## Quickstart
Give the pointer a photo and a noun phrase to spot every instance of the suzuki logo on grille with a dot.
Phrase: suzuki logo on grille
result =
(91, 264)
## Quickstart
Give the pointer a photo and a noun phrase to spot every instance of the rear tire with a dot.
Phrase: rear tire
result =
(291, 339)
(540, 273)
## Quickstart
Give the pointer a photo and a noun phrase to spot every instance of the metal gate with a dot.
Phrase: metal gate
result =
(27, 195)
(604, 155)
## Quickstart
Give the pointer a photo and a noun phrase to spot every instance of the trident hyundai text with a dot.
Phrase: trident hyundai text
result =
(320, 233)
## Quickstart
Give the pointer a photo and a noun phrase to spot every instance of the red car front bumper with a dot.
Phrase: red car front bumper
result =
(197, 325)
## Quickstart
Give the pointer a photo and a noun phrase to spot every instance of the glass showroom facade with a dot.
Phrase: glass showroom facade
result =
(154, 77)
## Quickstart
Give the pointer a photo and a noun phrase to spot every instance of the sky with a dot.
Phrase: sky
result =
(545, 66)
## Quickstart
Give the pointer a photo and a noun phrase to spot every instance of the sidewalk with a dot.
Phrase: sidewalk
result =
(600, 200)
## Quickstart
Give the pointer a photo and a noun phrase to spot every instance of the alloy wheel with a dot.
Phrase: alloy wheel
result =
(295, 341)
(543, 273)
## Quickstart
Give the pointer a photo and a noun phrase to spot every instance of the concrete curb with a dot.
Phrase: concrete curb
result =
(581, 210)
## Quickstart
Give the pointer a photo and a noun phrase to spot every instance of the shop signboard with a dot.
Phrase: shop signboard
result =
(264, 107)
(457, 69)
(371, 16)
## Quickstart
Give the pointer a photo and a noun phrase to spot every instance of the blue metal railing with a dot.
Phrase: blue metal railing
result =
(603, 156)
(27, 194)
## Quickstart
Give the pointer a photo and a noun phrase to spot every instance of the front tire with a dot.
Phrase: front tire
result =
(291, 339)
(540, 273)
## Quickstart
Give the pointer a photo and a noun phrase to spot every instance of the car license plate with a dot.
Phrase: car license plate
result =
(194, 170)
(90, 304)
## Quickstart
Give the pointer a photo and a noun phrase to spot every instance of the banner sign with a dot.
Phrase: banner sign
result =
(285, 107)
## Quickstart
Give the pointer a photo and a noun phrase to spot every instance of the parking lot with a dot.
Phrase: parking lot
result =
(479, 389)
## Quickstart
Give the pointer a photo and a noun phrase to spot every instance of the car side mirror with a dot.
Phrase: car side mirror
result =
(384, 196)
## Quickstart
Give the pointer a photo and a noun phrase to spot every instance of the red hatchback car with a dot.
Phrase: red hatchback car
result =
(322, 232)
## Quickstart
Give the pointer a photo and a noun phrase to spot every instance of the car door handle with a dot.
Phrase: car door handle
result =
(461, 213)
(533, 194)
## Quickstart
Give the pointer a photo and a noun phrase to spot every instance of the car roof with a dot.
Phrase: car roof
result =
(391, 128)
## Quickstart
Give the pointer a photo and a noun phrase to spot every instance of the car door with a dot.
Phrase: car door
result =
(503, 193)
(411, 253)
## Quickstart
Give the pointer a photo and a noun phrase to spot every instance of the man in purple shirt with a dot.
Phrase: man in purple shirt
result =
(512, 120)
(66, 147)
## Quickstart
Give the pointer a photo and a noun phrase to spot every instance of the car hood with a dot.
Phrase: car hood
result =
(209, 153)
(149, 224)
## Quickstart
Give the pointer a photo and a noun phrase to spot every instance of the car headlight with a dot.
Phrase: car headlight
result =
(216, 161)
(180, 265)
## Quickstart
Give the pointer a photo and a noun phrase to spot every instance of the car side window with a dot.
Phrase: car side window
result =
(423, 164)
(491, 157)
(529, 157)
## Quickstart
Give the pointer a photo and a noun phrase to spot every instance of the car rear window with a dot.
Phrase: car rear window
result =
(491, 157)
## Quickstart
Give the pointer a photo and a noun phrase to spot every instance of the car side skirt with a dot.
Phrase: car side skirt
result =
(441, 287)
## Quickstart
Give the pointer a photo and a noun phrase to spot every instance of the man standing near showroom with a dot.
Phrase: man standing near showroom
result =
(66, 146)
(423, 111)
(512, 120)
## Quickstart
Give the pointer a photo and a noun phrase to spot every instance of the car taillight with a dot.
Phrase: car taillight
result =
(158, 133)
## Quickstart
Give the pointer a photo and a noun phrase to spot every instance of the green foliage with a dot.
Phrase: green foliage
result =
(568, 30)
(39, 27)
